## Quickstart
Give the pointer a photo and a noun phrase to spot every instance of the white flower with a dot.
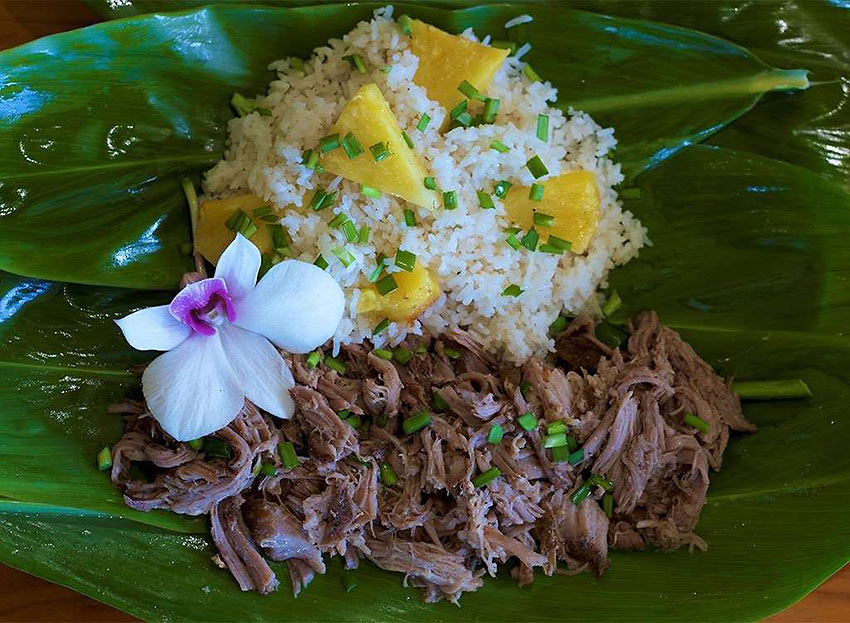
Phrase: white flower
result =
(219, 334)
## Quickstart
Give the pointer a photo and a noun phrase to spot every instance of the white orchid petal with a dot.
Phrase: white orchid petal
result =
(238, 266)
(192, 390)
(296, 305)
(153, 328)
(263, 374)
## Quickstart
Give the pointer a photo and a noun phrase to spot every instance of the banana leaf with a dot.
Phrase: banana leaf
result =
(97, 157)
(748, 263)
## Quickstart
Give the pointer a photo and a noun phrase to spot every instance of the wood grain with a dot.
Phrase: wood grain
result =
(25, 598)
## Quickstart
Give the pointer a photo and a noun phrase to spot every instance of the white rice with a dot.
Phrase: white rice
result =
(465, 247)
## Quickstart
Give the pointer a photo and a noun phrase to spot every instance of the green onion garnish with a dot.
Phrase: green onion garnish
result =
(350, 230)
(555, 440)
(527, 421)
(242, 105)
(529, 240)
(610, 334)
(215, 447)
(381, 326)
(612, 304)
(512, 290)
(558, 325)
(697, 422)
(385, 285)
(344, 256)
(630, 193)
(338, 220)
(416, 422)
(406, 24)
(421, 349)
(388, 475)
(403, 355)
(335, 364)
(196, 444)
(504, 45)
(329, 142)
(470, 91)
(351, 146)
(458, 110)
(557, 427)
(286, 452)
(268, 469)
(485, 201)
(379, 268)
(784, 389)
(356, 62)
(409, 218)
(536, 193)
(464, 119)
(424, 120)
(406, 138)
(383, 353)
(528, 72)
(430, 183)
(576, 457)
(536, 166)
(310, 159)
(548, 248)
(262, 211)
(560, 454)
(451, 353)
(363, 235)
(405, 260)
(318, 199)
(314, 358)
(543, 220)
(560, 243)
(512, 240)
(380, 151)
(491, 107)
(572, 444)
(597, 480)
(501, 189)
(450, 200)
(354, 421)
(438, 402)
(499, 146)
(496, 434)
(321, 262)
(581, 494)
(543, 128)
(104, 458)
(485, 477)
(608, 505)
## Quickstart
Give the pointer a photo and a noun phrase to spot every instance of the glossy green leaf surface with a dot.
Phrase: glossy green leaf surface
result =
(90, 168)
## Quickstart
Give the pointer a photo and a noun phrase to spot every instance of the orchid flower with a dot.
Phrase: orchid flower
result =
(220, 336)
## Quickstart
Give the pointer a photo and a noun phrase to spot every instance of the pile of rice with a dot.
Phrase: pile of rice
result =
(465, 247)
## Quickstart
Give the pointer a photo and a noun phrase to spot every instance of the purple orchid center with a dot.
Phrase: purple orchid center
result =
(203, 305)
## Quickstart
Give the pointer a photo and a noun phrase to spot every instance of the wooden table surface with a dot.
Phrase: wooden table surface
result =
(26, 598)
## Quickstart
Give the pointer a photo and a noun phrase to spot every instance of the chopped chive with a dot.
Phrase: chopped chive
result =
(409, 218)
(268, 469)
(286, 452)
(464, 119)
(376, 274)
(216, 447)
(351, 146)
(380, 151)
(555, 440)
(262, 210)
(196, 444)
(548, 248)
(335, 364)
(406, 138)
(363, 235)
(344, 256)
(386, 69)
(572, 444)
(264, 112)
(356, 61)
(784, 389)
(438, 402)
(242, 105)
(597, 480)
(451, 353)
(560, 454)
(485, 477)
(318, 199)
(491, 107)
(420, 350)
(576, 457)
(402, 355)
(581, 494)
(528, 72)
(458, 110)
(430, 183)
(104, 459)
(383, 353)
(424, 120)
(558, 325)
(613, 303)
(504, 45)
(385, 285)
(248, 230)
(630, 193)
(233, 222)
(610, 334)
(499, 146)
(310, 159)
(470, 91)
(529, 240)
(350, 231)
(405, 260)
(543, 220)
(524, 388)
(280, 237)
(496, 434)
(338, 220)
(527, 421)
(512, 290)
(536, 166)
(557, 427)
(329, 142)
(543, 128)
(501, 189)
(560, 243)
(405, 23)
(343, 414)
(536, 193)
(450, 200)
(381, 326)
(269, 218)
(374, 193)
(314, 358)
(321, 262)
(416, 422)
(512, 240)
(319, 169)
(388, 475)
(697, 422)
(328, 200)
(608, 505)
(478, 119)
(485, 201)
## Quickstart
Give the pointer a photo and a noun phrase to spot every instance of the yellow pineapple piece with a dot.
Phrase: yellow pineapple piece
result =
(213, 236)
(368, 117)
(572, 198)
(447, 60)
(416, 291)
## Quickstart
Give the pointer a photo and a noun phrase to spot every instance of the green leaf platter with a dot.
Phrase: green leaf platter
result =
(743, 185)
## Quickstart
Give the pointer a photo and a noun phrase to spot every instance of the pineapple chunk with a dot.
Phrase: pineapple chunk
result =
(212, 236)
(572, 198)
(369, 118)
(447, 60)
(416, 291)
